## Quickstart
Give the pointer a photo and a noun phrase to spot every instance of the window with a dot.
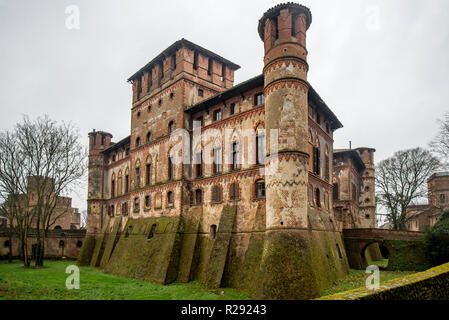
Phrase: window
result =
(260, 149)
(126, 184)
(125, 208)
(200, 93)
(138, 114)
(195, 60)
(318, 198)
(260, 189)
(217, 115)
(128, 231)
(234, 191)
(199, 164)
(148, 175)
(170, 168)
(354, 192)
(171, 127)
(113, 188)
(209, 68)
(339, 252)
(232, 109)
(198, 122)
(79, 244)
(318, 118)
(217, 160)
(223, 72)
(136, 205)
(137, 142)
(326, 167)
(198, 196)
(216, 194)
(328, 130)
(172, 95)
(111, 211)
(213, 231)
(127, 152)
(316, 161)
(170, 197)
(335, 191)
(259, 99)
(147, 201)
(61, 244)
(58, 228)
(442, 198)
(235, 155)
(137, 177)
(148, 137)
(152, 231)
(149, 109)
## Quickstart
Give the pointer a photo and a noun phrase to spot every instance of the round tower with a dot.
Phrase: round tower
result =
(283, 30)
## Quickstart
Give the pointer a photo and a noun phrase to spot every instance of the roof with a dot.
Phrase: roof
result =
(438, 174)
(117, 145)
(259, 81)
(355, 156)
(175, 46)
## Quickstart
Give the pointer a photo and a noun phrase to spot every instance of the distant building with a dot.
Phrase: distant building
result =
(3, 222)
(420, 216)
(353, 188)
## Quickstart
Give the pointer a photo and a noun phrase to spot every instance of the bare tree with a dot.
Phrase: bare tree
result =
(440, 144)
(54, 162)
(14, 172)
(401, 180)
(58, 164)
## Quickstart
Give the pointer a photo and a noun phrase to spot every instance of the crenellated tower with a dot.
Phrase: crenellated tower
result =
(98, 141)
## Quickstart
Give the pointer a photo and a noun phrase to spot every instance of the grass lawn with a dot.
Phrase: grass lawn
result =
(48, 283)
(357, 278)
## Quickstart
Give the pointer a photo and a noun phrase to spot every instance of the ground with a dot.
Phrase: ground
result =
(48, 283)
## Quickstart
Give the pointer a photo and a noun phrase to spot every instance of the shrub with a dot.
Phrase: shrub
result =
(437, 240)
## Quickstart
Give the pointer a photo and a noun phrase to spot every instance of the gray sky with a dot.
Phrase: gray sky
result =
(381, 66)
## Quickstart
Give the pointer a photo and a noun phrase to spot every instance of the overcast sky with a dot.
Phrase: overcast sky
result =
(381, 66)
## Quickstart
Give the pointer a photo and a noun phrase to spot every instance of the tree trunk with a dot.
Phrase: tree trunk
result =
(10, 249)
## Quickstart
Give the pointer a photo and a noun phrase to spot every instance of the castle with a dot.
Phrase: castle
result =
(236, 186)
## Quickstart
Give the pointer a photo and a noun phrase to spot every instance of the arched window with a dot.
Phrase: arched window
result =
(354, 192)
(235, 156)
(170, 197)
(111, 211)
(147, 201)
(217, 160)
(216, 194)
(198, 196)
(137, 142)
(113, 188)
(137, 177)
(234, 191)
(335, 192)
(213, 231)
(125, 208)
(318, 198)
(61, 244)
(58, 228)
(260, 148)
(198, 164)
(148, 174)
(148, 137)
(171, 127)
(326, 164)
(136, 205)
(79, 244)
(170, 168)
(316, 161)
(260, 189)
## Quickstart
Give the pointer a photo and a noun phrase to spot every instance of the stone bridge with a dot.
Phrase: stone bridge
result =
(404, 249)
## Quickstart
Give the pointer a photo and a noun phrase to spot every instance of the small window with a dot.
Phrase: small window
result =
(198, 196)
(316, 161)
(149, 109)
(170, 168)
(367, 216)
(171, 127)
(232, 109)
(172, 95)
(260, 149)
(79, 244)
(147, 201)
(148, 137)
(318, 198)
(259, 99)
(152, 231)
(138, 114)
(58, 228)
(217, 115)
(137, 142)
(61, 244)
(260, 189)
(159, 102)
(198, 164)
(6, 244)
(318, 118)
(213, 231)
(126, 184)
(148, 175)
(136, 205)
(235, 156)
(128, 231)
(216, 194)
(234, 191)
(170, 197)
(335, 191)
(125, 209)
(200, 93)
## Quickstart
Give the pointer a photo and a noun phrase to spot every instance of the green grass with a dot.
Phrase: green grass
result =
(381, 263)
(357, 278)
(48, 283)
